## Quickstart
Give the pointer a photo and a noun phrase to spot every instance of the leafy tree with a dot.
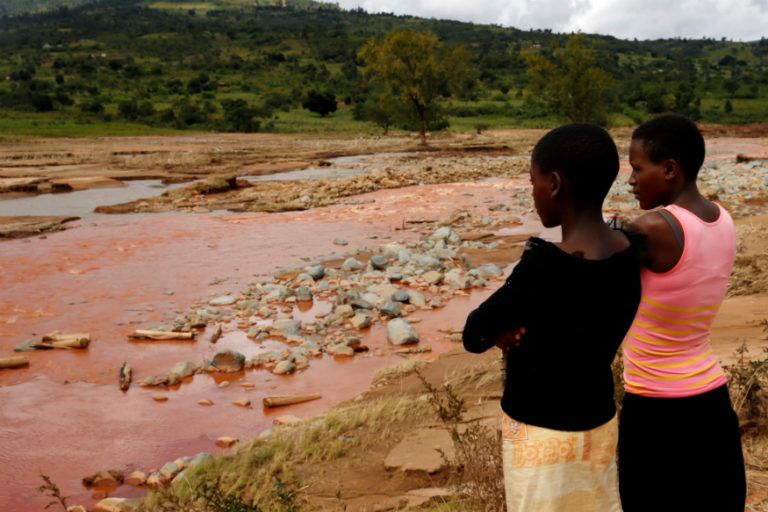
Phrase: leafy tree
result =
(380, 107)
(322, 103)
(570, 82)
(418, 70)
(241, 117)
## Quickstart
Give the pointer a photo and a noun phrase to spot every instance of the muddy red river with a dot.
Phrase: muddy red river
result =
(65, 416)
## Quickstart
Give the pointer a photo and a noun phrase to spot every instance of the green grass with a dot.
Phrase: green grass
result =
(15, 124)
(300, 120)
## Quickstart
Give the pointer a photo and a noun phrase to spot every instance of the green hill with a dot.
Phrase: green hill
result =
(186, 64)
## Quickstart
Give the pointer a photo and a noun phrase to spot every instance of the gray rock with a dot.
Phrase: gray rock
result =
(303, 294)
(340, 241)
(403, 256)
(401, 296)
(417, 299)
(429, 263)
(199, 459)
(432, 277)
(395, 273)
(400, 332)
(379, 262)
(323, 286)
(169, 470)
(224, 300)
(489, 270)
(183, 369)
(228, 361)
(455, 278)
(390, 309)
(360, 304)
(340, 349)
(284, 367)
(436, 302)
(25, 346)
(304, 278)
(287, 327)
(275, 292)
(371, 298)
(344, 310)
(352, 265)
(361, 321)
(316, 271)
(249, 306)
(156, 380)
(391, 250)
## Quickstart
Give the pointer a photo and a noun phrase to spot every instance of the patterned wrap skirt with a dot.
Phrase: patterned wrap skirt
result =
(557, 471)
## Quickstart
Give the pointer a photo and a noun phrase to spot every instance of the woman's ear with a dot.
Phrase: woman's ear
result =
(671, 169)
(555, 182)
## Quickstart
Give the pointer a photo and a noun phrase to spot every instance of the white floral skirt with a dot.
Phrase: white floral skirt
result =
(556, 471)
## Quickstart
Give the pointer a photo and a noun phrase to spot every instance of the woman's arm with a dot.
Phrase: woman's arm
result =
(499, 320)
(661, 250)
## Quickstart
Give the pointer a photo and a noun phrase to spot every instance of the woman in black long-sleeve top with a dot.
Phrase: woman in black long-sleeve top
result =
(559, 319)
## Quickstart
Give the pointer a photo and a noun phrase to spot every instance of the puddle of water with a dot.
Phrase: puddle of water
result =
(81, 203)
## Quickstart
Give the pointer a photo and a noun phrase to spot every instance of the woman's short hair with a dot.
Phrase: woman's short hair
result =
(673, 137)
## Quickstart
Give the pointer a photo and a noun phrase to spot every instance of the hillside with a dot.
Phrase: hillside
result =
(139, 64)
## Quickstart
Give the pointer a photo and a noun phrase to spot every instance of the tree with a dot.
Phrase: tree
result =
(418, 70)
(570, 82)
(322, 103)
(241, 117)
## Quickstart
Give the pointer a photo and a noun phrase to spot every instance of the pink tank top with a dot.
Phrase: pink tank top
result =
(667, 352)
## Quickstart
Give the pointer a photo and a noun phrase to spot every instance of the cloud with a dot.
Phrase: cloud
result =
(652, 19)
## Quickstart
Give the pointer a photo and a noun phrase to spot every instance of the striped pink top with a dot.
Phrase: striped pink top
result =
(667, 352)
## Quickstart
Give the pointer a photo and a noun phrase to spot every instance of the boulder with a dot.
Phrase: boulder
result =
(287, 327)
(316, 271)
(400, 332)
(432, 277)
(429, 263)
(352, 265)
(417, 299)
(183, 369)
(361, 320)
(379, 262)
(117, 505)
(456, 278)
(228, 361)
(284, 367)
(224, 300)
(401, 296)
(391, 309)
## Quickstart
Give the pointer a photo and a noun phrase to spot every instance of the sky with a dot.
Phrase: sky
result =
(740, 20)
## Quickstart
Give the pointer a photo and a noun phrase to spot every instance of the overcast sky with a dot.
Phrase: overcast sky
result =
(744, 20)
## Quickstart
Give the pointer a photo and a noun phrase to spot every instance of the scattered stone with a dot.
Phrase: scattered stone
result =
(61, 340)
(284, 367)
(287, 327)
(489, 270)
(160, 398)
(379, 262)
(361, 321)
(455, 278)
(76, 508)
(303, 294)
(104, 479)
(400, 332)
(340, 241)
(242, 402)
(224, 300)
(168, 471)
(316, 272)
(432, 277)
(391, 309)
(226, 441)
(344, 310)
(352, 265)
(154, 481)
(287, 419)
(205, 401)
(154, 381)
(340, 349)
(199, 459)
(224, 384)
(429, 262)
(216, 334)
(136, 479)
(228, 361)
(401, 296)
(417, 299)
(26, 346)
(117, 505)
(183, 369)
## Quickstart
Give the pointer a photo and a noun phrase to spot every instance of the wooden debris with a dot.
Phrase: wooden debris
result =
(57, 339)
(14, 362)
(281, 400)
(217, 331)
(126, 375)
(414, 350)
(742, 158)
(161, 335)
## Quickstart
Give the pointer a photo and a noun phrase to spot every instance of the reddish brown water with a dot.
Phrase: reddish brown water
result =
(65, 416)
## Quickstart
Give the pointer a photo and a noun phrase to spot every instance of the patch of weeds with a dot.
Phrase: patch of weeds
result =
(477, 469)
(748, 386)
(51, 490)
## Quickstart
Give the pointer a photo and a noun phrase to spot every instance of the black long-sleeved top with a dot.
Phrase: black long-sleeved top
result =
(576, 313)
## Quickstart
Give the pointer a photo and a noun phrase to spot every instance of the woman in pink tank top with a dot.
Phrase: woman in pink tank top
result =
(679, 441)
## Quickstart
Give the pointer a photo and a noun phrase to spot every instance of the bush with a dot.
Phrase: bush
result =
(322, 103)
